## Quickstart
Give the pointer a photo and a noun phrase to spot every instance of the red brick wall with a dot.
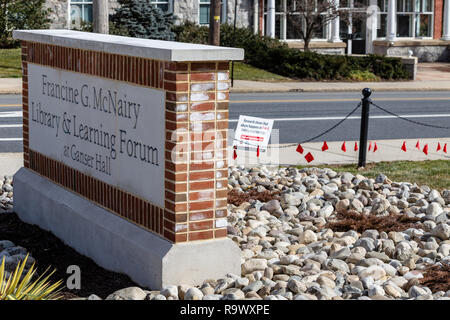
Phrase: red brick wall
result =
(438, 18)
(197, 97)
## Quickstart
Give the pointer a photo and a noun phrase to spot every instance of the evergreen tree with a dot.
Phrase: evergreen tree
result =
(21, 14)
(142, 19)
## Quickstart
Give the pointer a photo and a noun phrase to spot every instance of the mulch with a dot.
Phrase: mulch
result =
(238, 197)
(352, 220)
(436, 278)
(48, 250)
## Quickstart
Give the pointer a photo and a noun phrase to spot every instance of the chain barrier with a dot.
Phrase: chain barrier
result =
(308, 140)
(409, 120)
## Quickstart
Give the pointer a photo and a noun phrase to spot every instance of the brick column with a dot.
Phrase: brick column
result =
(196, 165)
(438, 18)
(26, 155)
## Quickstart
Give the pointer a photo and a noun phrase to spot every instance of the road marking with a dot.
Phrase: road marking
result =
(11, 114)
(10, 105)
(358, 117)
(341, 100)
(11, 139)
(11, 125)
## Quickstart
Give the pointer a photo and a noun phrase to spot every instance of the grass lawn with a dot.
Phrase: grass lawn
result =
(435, 173)
(10, 67)
(244, 71)
(10, 64)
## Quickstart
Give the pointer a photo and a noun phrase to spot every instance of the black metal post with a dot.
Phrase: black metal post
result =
(364, 127)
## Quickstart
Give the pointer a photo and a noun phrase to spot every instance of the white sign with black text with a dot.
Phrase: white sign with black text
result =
(110, 130)
(252, 132)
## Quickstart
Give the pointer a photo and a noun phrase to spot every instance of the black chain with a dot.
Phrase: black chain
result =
(409, 120)
(309, 140)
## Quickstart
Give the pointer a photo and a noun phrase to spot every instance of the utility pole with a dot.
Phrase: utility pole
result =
(214, 23)
(100, 15)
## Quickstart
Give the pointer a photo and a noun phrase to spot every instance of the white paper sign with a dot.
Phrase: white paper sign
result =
(253, 132)
(107, 129)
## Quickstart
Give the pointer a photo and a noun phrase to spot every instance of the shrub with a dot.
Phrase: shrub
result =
(141, 19)
(275, 56)
(358, 75)
(21, 14)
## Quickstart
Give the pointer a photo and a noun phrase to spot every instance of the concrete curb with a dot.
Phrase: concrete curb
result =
(237, 90)
(243, 86)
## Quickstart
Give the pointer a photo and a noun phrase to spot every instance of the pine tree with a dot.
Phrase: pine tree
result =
(141, 19)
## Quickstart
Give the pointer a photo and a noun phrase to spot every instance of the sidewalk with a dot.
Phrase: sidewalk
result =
(430, 77)
(14, 86)
(10, 85)
(244, 86)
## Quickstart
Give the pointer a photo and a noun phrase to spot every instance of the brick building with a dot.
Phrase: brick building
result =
(398, 27)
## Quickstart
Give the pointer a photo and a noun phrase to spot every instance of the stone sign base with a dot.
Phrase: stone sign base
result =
(116, 244)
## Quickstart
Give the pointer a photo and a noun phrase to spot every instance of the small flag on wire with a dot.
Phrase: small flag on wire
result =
(445, 148)
(299, 149)
(438, 147)
(234, 153)
(370, 145)
(404, 146)
(309, 157)
(343, 148)
(325, 146)
(257, 152)
(418, 145)
(356, 146)
(425, 149)
(375, 148)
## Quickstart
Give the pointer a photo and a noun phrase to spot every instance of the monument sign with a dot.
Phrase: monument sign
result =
(125, 152)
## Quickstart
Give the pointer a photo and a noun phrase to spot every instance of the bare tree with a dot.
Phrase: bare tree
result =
(313, 15)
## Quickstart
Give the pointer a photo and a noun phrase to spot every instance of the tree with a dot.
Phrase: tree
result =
(142, 19)
(21, 14)
(310, 16)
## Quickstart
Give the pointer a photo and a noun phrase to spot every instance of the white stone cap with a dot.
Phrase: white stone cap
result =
(136, 47)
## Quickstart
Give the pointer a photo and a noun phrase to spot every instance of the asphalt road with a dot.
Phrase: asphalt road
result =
(300, 116)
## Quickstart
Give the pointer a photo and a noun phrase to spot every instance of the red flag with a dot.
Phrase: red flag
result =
(325, 146)
(234, 153)
(309, 157)
(425, 149)
(438, 147)
(418, 145)
(343, 148)
(370, 145)
(445, 148)
(299, 148)
(375, 148)
(356, 146)
(257, 152)
(404, 146)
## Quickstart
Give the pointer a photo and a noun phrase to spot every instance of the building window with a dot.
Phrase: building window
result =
(204, 9)
(80, 11)
(414, 18)
(289, 23)
(164, 5)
